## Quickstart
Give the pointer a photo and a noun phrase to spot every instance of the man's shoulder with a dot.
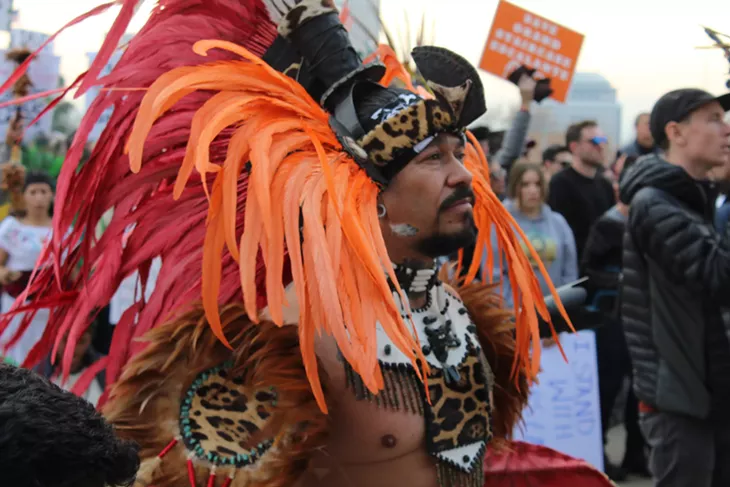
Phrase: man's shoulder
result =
(654, 203)
(561, 177)
(650, 195)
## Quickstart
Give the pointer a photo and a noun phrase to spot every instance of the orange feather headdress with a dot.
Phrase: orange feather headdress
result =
(227, 168)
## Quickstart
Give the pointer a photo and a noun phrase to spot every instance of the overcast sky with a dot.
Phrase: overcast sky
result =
(643, 47)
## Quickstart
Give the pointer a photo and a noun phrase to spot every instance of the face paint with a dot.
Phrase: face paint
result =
(403, 229)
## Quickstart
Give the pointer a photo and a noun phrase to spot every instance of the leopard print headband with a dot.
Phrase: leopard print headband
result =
(405, 131)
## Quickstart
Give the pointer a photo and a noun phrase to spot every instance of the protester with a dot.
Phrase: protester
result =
(84, 356)
(643, 144)
(676, 279)
(554, 159)
(547, 231)
(508, 150)
(579, 192)
(515, 140)
(602, 264)
(51, 438)
(21, 241)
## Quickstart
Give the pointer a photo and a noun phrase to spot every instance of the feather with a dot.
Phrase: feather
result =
(175, 232)
(145, 403)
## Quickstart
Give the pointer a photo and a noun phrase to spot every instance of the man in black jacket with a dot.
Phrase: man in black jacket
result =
(601, 263)
(676, 279)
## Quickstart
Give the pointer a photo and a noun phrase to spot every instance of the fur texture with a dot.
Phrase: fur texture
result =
(145, 403)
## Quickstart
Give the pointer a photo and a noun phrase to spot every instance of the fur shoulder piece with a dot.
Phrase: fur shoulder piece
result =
(200, 410)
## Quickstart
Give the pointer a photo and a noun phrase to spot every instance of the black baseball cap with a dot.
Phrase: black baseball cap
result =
(677, 105)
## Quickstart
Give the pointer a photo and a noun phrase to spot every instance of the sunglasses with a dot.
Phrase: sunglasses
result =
(598, 140)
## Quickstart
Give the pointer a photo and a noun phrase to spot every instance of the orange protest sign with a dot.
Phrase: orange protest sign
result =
(520, 37)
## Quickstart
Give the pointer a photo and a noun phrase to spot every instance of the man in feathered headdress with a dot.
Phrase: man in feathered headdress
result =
(298, 332)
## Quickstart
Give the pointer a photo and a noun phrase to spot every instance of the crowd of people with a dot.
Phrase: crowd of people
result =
(662, 315)
(279, 315)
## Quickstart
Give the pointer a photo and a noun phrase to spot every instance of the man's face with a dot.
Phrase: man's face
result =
(591, 147)
(643, 133)
(562, 160)
(530, 191)
(433, 196)
(705, 136)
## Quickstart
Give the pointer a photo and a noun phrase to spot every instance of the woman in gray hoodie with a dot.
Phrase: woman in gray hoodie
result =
(547, 231)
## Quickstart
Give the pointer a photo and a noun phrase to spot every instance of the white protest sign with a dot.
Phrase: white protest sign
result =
(564, 411)
(44, 73)
(7, 15)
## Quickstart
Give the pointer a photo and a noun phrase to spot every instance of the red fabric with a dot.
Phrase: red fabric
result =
(528, 465)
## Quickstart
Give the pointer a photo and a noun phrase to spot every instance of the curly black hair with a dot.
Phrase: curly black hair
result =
(52, 438)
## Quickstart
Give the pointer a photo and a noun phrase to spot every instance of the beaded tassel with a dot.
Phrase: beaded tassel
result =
(169, 447)
(228, 481)
(191, 471)
(148, 469)
(211, 478)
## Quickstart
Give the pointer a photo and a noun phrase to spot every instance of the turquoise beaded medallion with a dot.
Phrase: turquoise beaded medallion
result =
(223, 422)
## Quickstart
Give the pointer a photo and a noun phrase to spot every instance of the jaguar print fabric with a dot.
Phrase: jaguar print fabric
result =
(224, 421)
(459, 410)
(395, 139)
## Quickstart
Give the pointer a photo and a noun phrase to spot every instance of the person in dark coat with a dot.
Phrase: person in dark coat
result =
(602, 264)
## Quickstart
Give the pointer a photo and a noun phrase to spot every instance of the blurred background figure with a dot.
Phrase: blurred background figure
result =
(579, 192)
(547, 231)
(643, 143)
(602, 263)
(84, 356)
(21, 241)
(554, 159)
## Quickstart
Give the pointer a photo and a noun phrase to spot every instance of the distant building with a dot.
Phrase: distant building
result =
(591, 97)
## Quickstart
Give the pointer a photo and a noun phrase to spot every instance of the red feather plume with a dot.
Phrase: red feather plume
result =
(79, 273)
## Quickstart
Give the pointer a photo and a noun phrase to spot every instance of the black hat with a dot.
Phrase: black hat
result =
(381, 127)
(677, 105)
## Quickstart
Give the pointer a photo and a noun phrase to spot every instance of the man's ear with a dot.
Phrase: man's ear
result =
(674, 132)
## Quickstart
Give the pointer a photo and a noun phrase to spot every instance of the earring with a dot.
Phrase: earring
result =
(382, 210)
